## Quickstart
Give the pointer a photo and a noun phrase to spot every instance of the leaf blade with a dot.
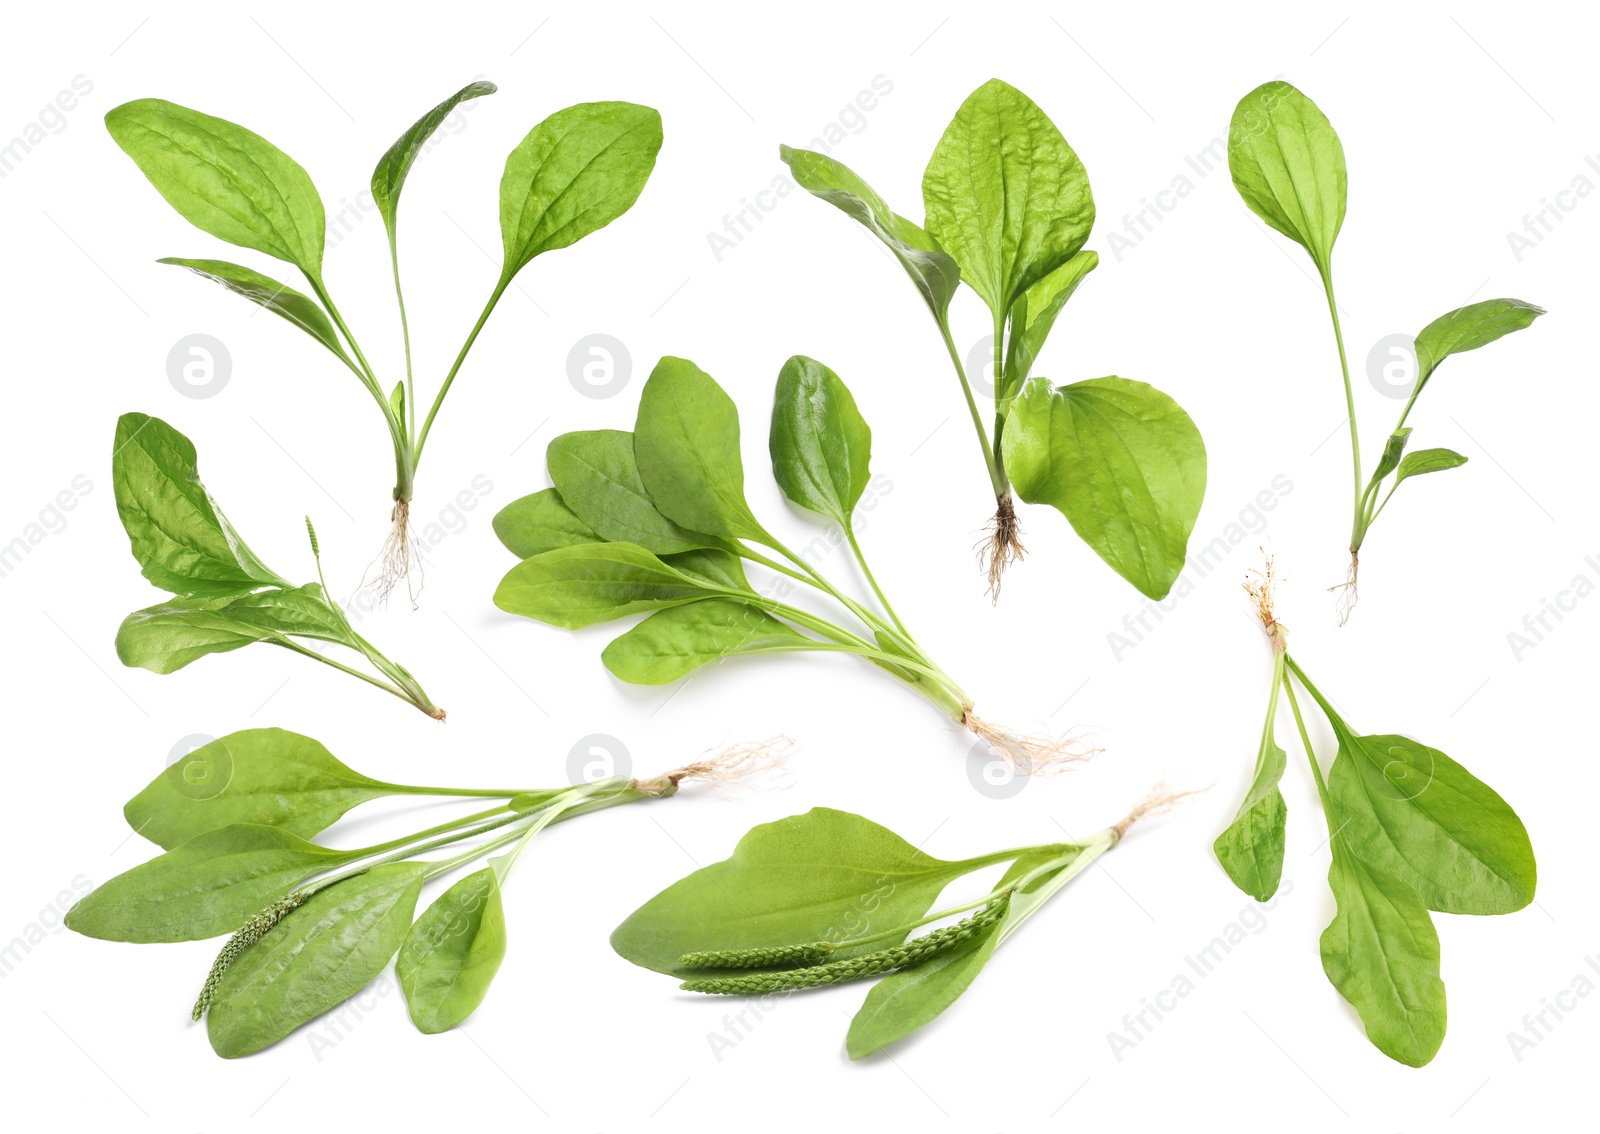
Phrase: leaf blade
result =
(673, 643)
(452, 953)
(389, 176)
(1287, 162)
(820, 444)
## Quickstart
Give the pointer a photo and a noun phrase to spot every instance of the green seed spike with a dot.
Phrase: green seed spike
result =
(912, 952)
(312, 532)
(777, 956)
(251, 932)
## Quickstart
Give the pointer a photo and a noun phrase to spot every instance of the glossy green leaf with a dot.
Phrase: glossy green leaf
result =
(686, 442)
(1468, 328)
(1392, 449)
(225, 180)
(1288, 164)
(598, 478)
(711, 567)
(183, 542)
(1006, 196)
(932, 271)
(1034, 314)
(267, 776)
(1417, 814)
(1381, 952)
(315, 958)
(821, 446)
(210, 885)
(672, 643)
(573, 587)
(166, 637)
(397, 401)
(575, 172)
(390, 175)
(453, 952)
(1124, 464)
(281, 299)
(822, 876)
(540, 522)
(1425, 461)
(1251, 849)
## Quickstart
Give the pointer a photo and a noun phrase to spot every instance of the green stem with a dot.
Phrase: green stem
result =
(488, 309)
(996, 478)
(368, 376)
(410, 423)
(1356, 525)
(871, 620)
(855, 546)
(421, 705)
(1311, 753)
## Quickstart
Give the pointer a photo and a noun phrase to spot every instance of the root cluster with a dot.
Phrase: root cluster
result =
(1260, 588)
(738, 764)
(398, 557)
(1031, 755)
(1159, 799)
(1001, 545)
(1348, 593)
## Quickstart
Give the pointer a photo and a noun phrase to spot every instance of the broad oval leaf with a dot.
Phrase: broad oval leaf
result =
(1468, 328)
(821, 446)
(1006, 195)
(390, 175)
(453, 952)
(575, 172)
(166, 637)
(597, 476)
(281, 299)
(823, 876)
(1251, 849)
(267, 776)
(316, 957)
(672, 643)
(1124, 464)
(210, 885)
(1287, 163)
(225, 180)
(573, 587)
(540, 522)
(1420, 816)
(932, 270)
(1034, 314)
(686, 442)
(1428, 461)
(1382, 953)
(183, 542)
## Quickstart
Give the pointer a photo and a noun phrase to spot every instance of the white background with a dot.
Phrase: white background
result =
(1455, 124)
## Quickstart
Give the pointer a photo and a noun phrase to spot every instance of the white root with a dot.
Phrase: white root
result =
(400, 559)
(737, 765)
(1260, 587)
(1031, 755)
(1000, 546)
(1158, 800)
(1348, 592)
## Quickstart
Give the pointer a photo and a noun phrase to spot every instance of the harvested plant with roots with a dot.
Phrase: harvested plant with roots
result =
(572, 175)
(656, 520)
(1009, 210)
(1288, 164)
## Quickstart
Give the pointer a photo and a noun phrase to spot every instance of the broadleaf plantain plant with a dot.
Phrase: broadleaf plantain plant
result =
(1009, 210)
(573, 174)
(1288, 164)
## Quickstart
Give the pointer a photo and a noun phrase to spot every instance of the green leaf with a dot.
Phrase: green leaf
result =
(575, 172)
(1468, 328)
(598, 478)
(1381, 952)
(932, 271)
(397, 401)
(1034, 314)
(281, 299)
(1288, 165)
(390, 175)
(822, 876)
(1006, 196)
(225, 180)
(1428, 461)
(1124, 464)
(686, 441)
(1251, 849)
(452, 953)
(166, 637)
(821, 446)
(318, 956)
(1392, 449)
(541, 522)
(573, 587)
(711, 567)
(210, 885)
(1417, 814)
(183, 542)
(266, 776)
(672, 643)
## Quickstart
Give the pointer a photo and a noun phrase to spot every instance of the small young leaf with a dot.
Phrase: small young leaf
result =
(1288, 164)
(1006, 196)
(1468, 328)
(1428, 461)
(598, 478)
(397, 401)
(672, 643)
(318, 956)
(1034, 314)
(821, 446)
(1392, 449)
(453, 953)
(225, 180)
(575, 172)
(1251, 849)
(267, 776)
(573, 587)
(1124, 464)
(932, 271)
(390, 175)
(540, 522)
(686, 442)
(281, 299)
